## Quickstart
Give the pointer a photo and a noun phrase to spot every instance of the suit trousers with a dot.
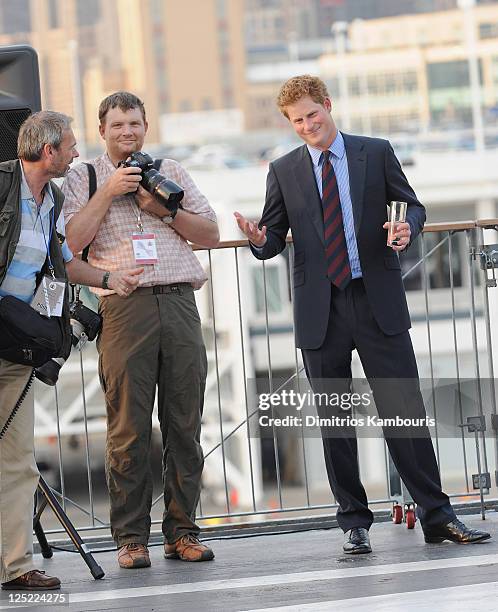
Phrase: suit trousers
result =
(18, 474)
(150, 341)
(352, 326)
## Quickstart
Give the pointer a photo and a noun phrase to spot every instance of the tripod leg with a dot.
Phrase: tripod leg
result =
(46, 550)
(95, 569)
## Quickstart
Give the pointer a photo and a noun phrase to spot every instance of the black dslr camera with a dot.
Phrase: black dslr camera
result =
(85, 325)
(167, 192)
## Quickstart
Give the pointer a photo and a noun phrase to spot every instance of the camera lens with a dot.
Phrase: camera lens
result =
(165, 190)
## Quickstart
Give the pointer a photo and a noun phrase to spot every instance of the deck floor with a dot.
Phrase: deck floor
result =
(294, 572)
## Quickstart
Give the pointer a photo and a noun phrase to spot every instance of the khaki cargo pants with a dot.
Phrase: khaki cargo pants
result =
(18, 474)
(152, 340)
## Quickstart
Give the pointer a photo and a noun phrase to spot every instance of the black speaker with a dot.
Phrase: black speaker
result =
(19, 94)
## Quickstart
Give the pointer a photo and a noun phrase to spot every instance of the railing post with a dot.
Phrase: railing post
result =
(457, 364)
(473, 243)
(489, 261)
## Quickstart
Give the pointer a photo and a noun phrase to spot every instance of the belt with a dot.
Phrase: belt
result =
(158, 289)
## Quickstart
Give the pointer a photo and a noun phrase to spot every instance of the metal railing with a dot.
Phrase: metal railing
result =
(246, 477)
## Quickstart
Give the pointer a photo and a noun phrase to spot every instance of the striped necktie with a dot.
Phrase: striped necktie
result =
(338, 268)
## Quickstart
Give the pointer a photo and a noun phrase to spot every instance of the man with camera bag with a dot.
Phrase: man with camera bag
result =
(153, 339)
(34, 259)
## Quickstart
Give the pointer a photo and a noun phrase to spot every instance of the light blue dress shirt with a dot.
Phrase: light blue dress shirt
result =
(33, 244)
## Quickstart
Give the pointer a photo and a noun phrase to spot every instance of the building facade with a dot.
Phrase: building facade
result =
(177, 56)
(398, 74)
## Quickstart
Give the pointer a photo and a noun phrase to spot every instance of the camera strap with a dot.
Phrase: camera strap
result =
(18, 404)
(144, 243)
(92, 188)
(90, 297)
(49, 293)
(136, 208)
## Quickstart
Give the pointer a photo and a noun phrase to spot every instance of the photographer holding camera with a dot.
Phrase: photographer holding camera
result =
(32, 249)
(152, 340)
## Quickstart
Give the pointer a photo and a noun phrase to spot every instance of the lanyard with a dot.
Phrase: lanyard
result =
(138, 214)
(47, 245)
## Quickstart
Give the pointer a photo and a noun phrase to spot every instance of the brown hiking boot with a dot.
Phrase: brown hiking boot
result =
(131, 556)
(34, 580)
(188, 548)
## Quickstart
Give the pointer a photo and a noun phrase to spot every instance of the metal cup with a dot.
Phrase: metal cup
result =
(397, 214)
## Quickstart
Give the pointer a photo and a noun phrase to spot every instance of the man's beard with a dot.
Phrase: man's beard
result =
(57, 173)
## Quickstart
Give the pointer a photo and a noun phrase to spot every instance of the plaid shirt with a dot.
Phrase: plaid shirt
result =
(112, 249)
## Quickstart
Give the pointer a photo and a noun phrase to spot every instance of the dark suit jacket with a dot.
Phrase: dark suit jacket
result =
(293, 200)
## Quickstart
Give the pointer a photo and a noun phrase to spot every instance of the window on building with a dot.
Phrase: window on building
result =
(446, 75)
(488, 30)
(445, 113)
(354, 86)
(304, 24)
(221, 8)
(156, 12)
(87, 12)
(279, 25)
(53, 14)
(410, 81)
(332, 86)
(390, 84)
(15, 17)
(373, 84)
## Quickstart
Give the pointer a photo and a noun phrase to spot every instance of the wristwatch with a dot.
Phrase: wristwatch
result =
(168, 219)
(105, 280)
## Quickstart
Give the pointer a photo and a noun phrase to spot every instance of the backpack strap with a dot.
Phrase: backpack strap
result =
(92, 188)
(92, 180)
(58, 200)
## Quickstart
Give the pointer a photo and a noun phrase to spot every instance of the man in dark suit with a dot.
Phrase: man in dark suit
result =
(333, 194)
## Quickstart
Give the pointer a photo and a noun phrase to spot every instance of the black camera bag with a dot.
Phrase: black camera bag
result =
(26, 337)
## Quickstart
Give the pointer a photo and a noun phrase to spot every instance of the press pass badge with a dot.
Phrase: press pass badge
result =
(144, 248)
(49, 297)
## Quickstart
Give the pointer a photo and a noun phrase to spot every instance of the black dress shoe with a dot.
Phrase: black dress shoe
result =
(455, 531)
(356, 541)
